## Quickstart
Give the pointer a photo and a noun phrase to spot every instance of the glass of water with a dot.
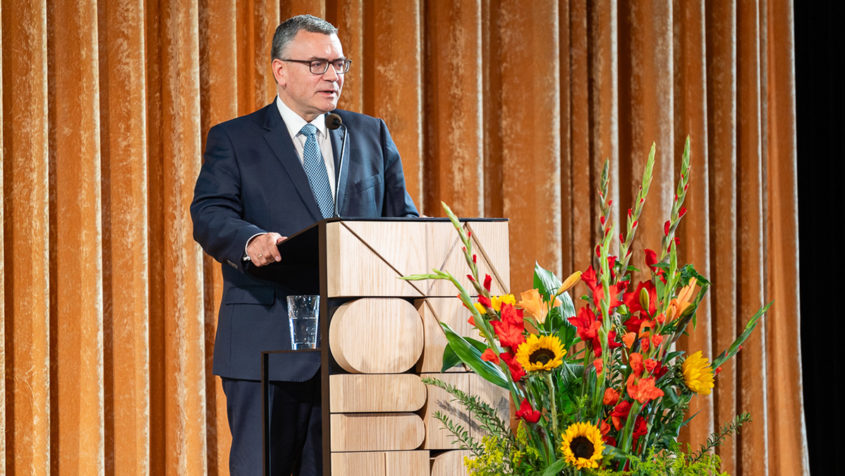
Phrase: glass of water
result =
(303, 315)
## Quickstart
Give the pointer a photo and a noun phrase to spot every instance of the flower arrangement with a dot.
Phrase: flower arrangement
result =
(600, 390)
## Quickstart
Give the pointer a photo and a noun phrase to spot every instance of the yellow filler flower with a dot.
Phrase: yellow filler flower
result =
(582, 445)
(540, 353)
(698, 374)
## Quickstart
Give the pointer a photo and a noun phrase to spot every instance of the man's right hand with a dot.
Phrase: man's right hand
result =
(262, 249)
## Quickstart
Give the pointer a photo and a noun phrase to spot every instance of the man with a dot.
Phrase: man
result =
(264, 177)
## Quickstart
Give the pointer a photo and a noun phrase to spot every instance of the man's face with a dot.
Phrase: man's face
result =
(308, 94)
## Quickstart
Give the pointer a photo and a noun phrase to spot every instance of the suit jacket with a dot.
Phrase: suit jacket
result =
(252, 181)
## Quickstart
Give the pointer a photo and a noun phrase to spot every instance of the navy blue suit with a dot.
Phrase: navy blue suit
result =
(252, 181)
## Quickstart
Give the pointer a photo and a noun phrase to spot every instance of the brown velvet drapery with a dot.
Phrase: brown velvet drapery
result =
(499, 108)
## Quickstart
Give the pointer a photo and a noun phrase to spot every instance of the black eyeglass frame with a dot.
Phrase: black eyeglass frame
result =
(346, 63)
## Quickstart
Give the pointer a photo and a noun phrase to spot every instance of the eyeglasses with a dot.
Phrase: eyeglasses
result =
(320, 66)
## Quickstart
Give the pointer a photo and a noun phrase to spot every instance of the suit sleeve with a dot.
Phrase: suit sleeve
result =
(397, 201)
(217, 207)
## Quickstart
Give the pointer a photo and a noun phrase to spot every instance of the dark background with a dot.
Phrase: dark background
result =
(820, 107)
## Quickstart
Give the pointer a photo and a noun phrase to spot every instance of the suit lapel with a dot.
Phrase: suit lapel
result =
(279, 140)
(337, 140)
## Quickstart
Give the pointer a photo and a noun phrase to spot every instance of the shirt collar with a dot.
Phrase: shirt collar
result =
(294, 121)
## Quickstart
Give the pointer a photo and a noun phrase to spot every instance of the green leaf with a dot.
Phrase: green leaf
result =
(555, 468)
(545, 281)
(734, 348)
(450, 359)
(471, 356)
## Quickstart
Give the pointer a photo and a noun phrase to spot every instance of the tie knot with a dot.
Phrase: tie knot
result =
(308, 130)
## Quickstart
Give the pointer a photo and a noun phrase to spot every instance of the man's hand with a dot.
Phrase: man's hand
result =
(262, 249)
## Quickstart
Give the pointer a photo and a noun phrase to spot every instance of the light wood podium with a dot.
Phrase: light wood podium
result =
(383, 335)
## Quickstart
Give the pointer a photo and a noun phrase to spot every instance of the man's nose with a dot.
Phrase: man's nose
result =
(331, 74)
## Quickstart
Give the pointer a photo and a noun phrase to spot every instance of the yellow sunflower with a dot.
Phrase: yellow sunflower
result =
(698, 374)
(582, 445)
(540, 353)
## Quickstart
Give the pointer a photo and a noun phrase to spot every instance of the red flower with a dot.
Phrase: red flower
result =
(527, 413)
(586, 323)
(635, 360)
(490, 356)
(643, 390)
(598, 364)
(611, 396)
(634, 303)
(511, 326)
(517, 372)
(485, 301)
(604, 427)
(487, 281)
(640, 429)
(620, 413)
(590, 279)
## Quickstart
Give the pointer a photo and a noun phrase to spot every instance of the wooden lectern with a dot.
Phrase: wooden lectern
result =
(383, 334)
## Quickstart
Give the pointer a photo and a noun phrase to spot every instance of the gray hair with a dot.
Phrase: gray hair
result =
(290, 27)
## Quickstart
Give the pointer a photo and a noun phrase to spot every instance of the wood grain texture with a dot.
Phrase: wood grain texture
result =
(370, 258)
(376, 431)
(434, 311)
(376, 335)
(353, 393)
(437, 437)
(450, 463)
(490, 245)
(381, 463)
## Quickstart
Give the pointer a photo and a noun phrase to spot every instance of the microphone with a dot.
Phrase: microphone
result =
(333, 121)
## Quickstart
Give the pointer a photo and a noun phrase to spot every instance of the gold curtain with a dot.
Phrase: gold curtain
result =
(498, 108)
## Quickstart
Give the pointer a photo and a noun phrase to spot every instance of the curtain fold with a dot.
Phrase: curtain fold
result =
(109, 308)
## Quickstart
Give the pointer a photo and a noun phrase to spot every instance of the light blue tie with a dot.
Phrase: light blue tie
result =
(315, 168)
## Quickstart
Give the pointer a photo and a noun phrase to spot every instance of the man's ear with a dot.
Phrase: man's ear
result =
(279, 71)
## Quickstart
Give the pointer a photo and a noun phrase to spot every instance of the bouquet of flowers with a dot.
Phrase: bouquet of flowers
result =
(600, 390)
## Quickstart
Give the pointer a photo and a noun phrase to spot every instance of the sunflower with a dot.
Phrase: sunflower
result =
(540, 353)
(582, 445)
(698, 374)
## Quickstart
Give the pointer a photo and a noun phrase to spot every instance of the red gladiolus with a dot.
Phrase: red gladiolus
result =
(487, 281)
(650, 365)
(484, 301)
(517, 372)
(643, 390)
(666, 227)
(590, 279)
(634, 300)
(635, 360)
(510, 328)
(611, 396)
(682, 211)
(527, 413)
(490, 356)
(640, 429)
(471, 321)
(471, 279)
(586, 323)
(620, 413)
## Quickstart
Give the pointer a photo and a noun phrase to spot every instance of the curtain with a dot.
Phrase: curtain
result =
(499, 109)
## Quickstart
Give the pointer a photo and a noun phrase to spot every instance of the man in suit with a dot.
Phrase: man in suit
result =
(264, 177)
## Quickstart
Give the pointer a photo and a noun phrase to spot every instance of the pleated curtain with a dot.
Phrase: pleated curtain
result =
(498, 108)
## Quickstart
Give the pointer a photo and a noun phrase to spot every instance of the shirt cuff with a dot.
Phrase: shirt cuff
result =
(246, 255)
